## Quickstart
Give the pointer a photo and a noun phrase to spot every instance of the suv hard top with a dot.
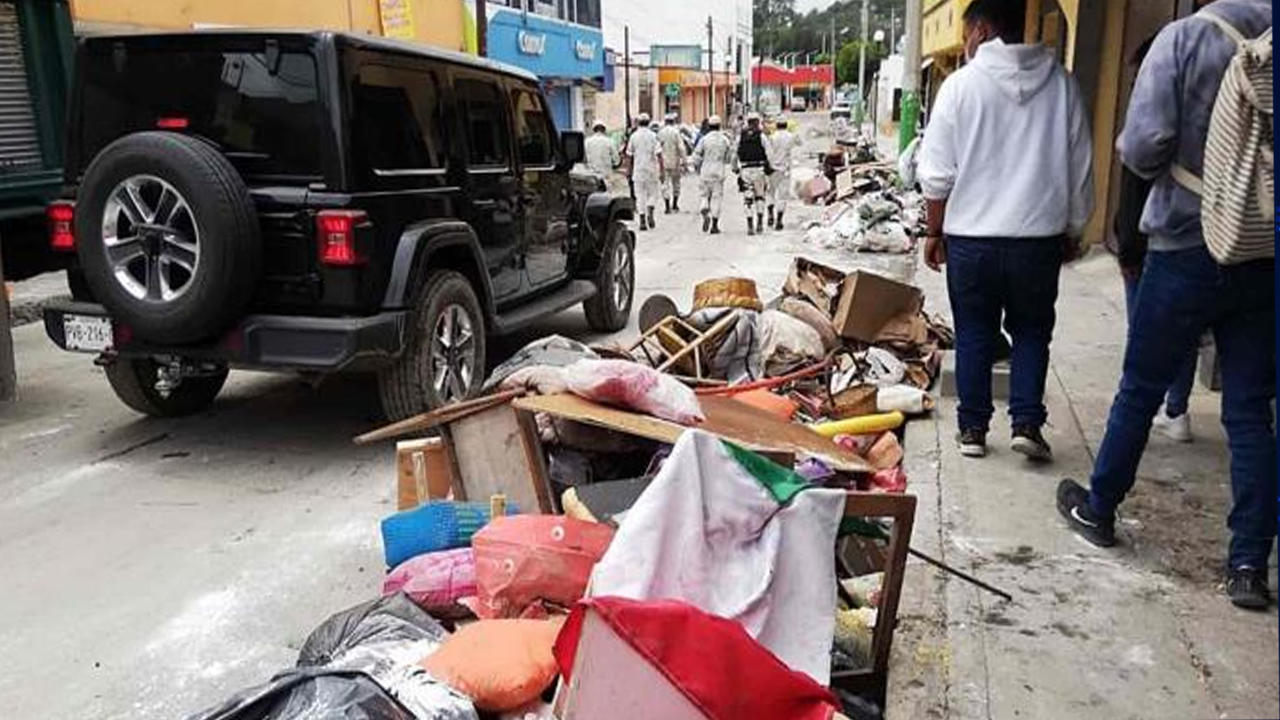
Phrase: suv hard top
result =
(319, 202)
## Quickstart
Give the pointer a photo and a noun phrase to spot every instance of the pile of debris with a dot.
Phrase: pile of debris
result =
(715, 511)
(867, 207)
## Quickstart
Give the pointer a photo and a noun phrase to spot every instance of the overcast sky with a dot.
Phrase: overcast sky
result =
(804, 6)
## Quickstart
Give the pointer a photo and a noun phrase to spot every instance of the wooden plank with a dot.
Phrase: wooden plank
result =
(489, 450)
(736, 422)
(437, 417)
(536, 459)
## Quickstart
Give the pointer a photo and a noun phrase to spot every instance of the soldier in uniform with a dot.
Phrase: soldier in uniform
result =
(711, 157)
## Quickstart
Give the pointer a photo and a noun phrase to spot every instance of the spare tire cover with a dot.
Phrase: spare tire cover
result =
(167, 237)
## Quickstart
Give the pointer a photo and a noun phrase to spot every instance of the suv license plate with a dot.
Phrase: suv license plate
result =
(87, 333)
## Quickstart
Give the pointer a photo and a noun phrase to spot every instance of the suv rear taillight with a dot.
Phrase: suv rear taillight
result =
(336, 236)
(61, 215)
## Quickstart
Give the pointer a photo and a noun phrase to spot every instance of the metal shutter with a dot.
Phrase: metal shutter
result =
(19, 143)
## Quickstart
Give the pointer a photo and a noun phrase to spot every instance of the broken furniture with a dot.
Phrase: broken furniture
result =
(674, 343)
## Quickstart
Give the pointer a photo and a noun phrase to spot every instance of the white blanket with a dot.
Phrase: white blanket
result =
(710, 531)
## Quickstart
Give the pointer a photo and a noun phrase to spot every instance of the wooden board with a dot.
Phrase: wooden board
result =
(734, 421)
(437, 417)
(487, 451)
(422, 472)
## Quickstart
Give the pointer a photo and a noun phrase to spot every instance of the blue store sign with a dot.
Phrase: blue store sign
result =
(548, 48)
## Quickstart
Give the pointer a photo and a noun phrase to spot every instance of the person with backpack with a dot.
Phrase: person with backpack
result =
(1199, 127)
(1128, 243)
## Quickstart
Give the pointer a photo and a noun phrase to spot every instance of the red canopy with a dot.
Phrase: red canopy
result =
(710, 660)
(770, 74)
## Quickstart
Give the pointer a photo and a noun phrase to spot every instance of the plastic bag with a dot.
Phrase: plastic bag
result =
(500, 664)
(360, 664)
(906, 398)
(787, 343)
(552, 351)
(435, 581)
(521, 561)
(633, 386)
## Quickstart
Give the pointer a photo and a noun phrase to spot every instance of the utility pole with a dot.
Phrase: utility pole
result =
(8, 374)
(482, 28)
(893, 29)
(626, 99)
(832, 57)
(711, 68)
(862, 65)
(911, 76)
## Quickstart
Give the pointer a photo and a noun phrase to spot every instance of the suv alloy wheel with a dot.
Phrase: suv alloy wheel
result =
(610, 309)
(444, 358)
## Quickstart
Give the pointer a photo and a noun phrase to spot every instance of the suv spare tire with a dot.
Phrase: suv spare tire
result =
(167, 236)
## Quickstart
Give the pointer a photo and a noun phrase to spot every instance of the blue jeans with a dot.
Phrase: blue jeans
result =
(1179, 395)
(1182, 294)
(1016, 278)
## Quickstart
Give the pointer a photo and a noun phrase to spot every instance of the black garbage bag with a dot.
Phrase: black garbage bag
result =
(360, 664)
(311, 694)
(394, 619)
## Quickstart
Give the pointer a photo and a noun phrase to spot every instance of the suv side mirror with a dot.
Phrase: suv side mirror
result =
(574, 144)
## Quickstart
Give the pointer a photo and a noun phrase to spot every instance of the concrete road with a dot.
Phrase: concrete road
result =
(150, 568)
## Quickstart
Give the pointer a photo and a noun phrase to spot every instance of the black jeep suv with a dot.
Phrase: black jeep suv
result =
(319, 202)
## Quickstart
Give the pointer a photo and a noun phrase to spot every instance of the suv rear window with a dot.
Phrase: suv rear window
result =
(266, 120)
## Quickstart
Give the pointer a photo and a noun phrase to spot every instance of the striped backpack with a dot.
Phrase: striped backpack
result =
(1237, 192)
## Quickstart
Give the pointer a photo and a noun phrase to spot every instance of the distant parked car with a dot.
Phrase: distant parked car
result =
(798, 104)
(841, 111)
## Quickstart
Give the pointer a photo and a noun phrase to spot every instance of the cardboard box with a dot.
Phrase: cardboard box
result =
(869, 301)
(813, 281)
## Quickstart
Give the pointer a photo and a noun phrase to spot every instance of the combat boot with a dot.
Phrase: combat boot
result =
(706, 220)
(667, 201)
(779, 223)
(760, 222)
(644, 222)
(652, 223)
(751, 226)
(715, 226)
(770, 216)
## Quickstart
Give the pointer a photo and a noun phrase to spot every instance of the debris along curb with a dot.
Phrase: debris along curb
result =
(733, 474)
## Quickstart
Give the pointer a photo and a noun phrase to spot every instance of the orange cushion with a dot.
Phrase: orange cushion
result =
(500, 664)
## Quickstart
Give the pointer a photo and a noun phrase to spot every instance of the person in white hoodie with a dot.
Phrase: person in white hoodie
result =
(1006, 168)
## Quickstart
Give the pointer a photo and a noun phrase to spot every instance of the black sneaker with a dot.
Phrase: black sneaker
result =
(1247, 588)
(1028, 441)
(1073, 504)
(751, 226)
(778, 225)
(973, 442)
(652, 223)
(644, 222)
(715, 226)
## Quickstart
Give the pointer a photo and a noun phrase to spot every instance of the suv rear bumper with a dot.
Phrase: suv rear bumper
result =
(282, 342)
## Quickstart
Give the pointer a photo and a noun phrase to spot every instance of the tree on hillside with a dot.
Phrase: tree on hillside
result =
(847, 61)
(779, 29)
(771, 20)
